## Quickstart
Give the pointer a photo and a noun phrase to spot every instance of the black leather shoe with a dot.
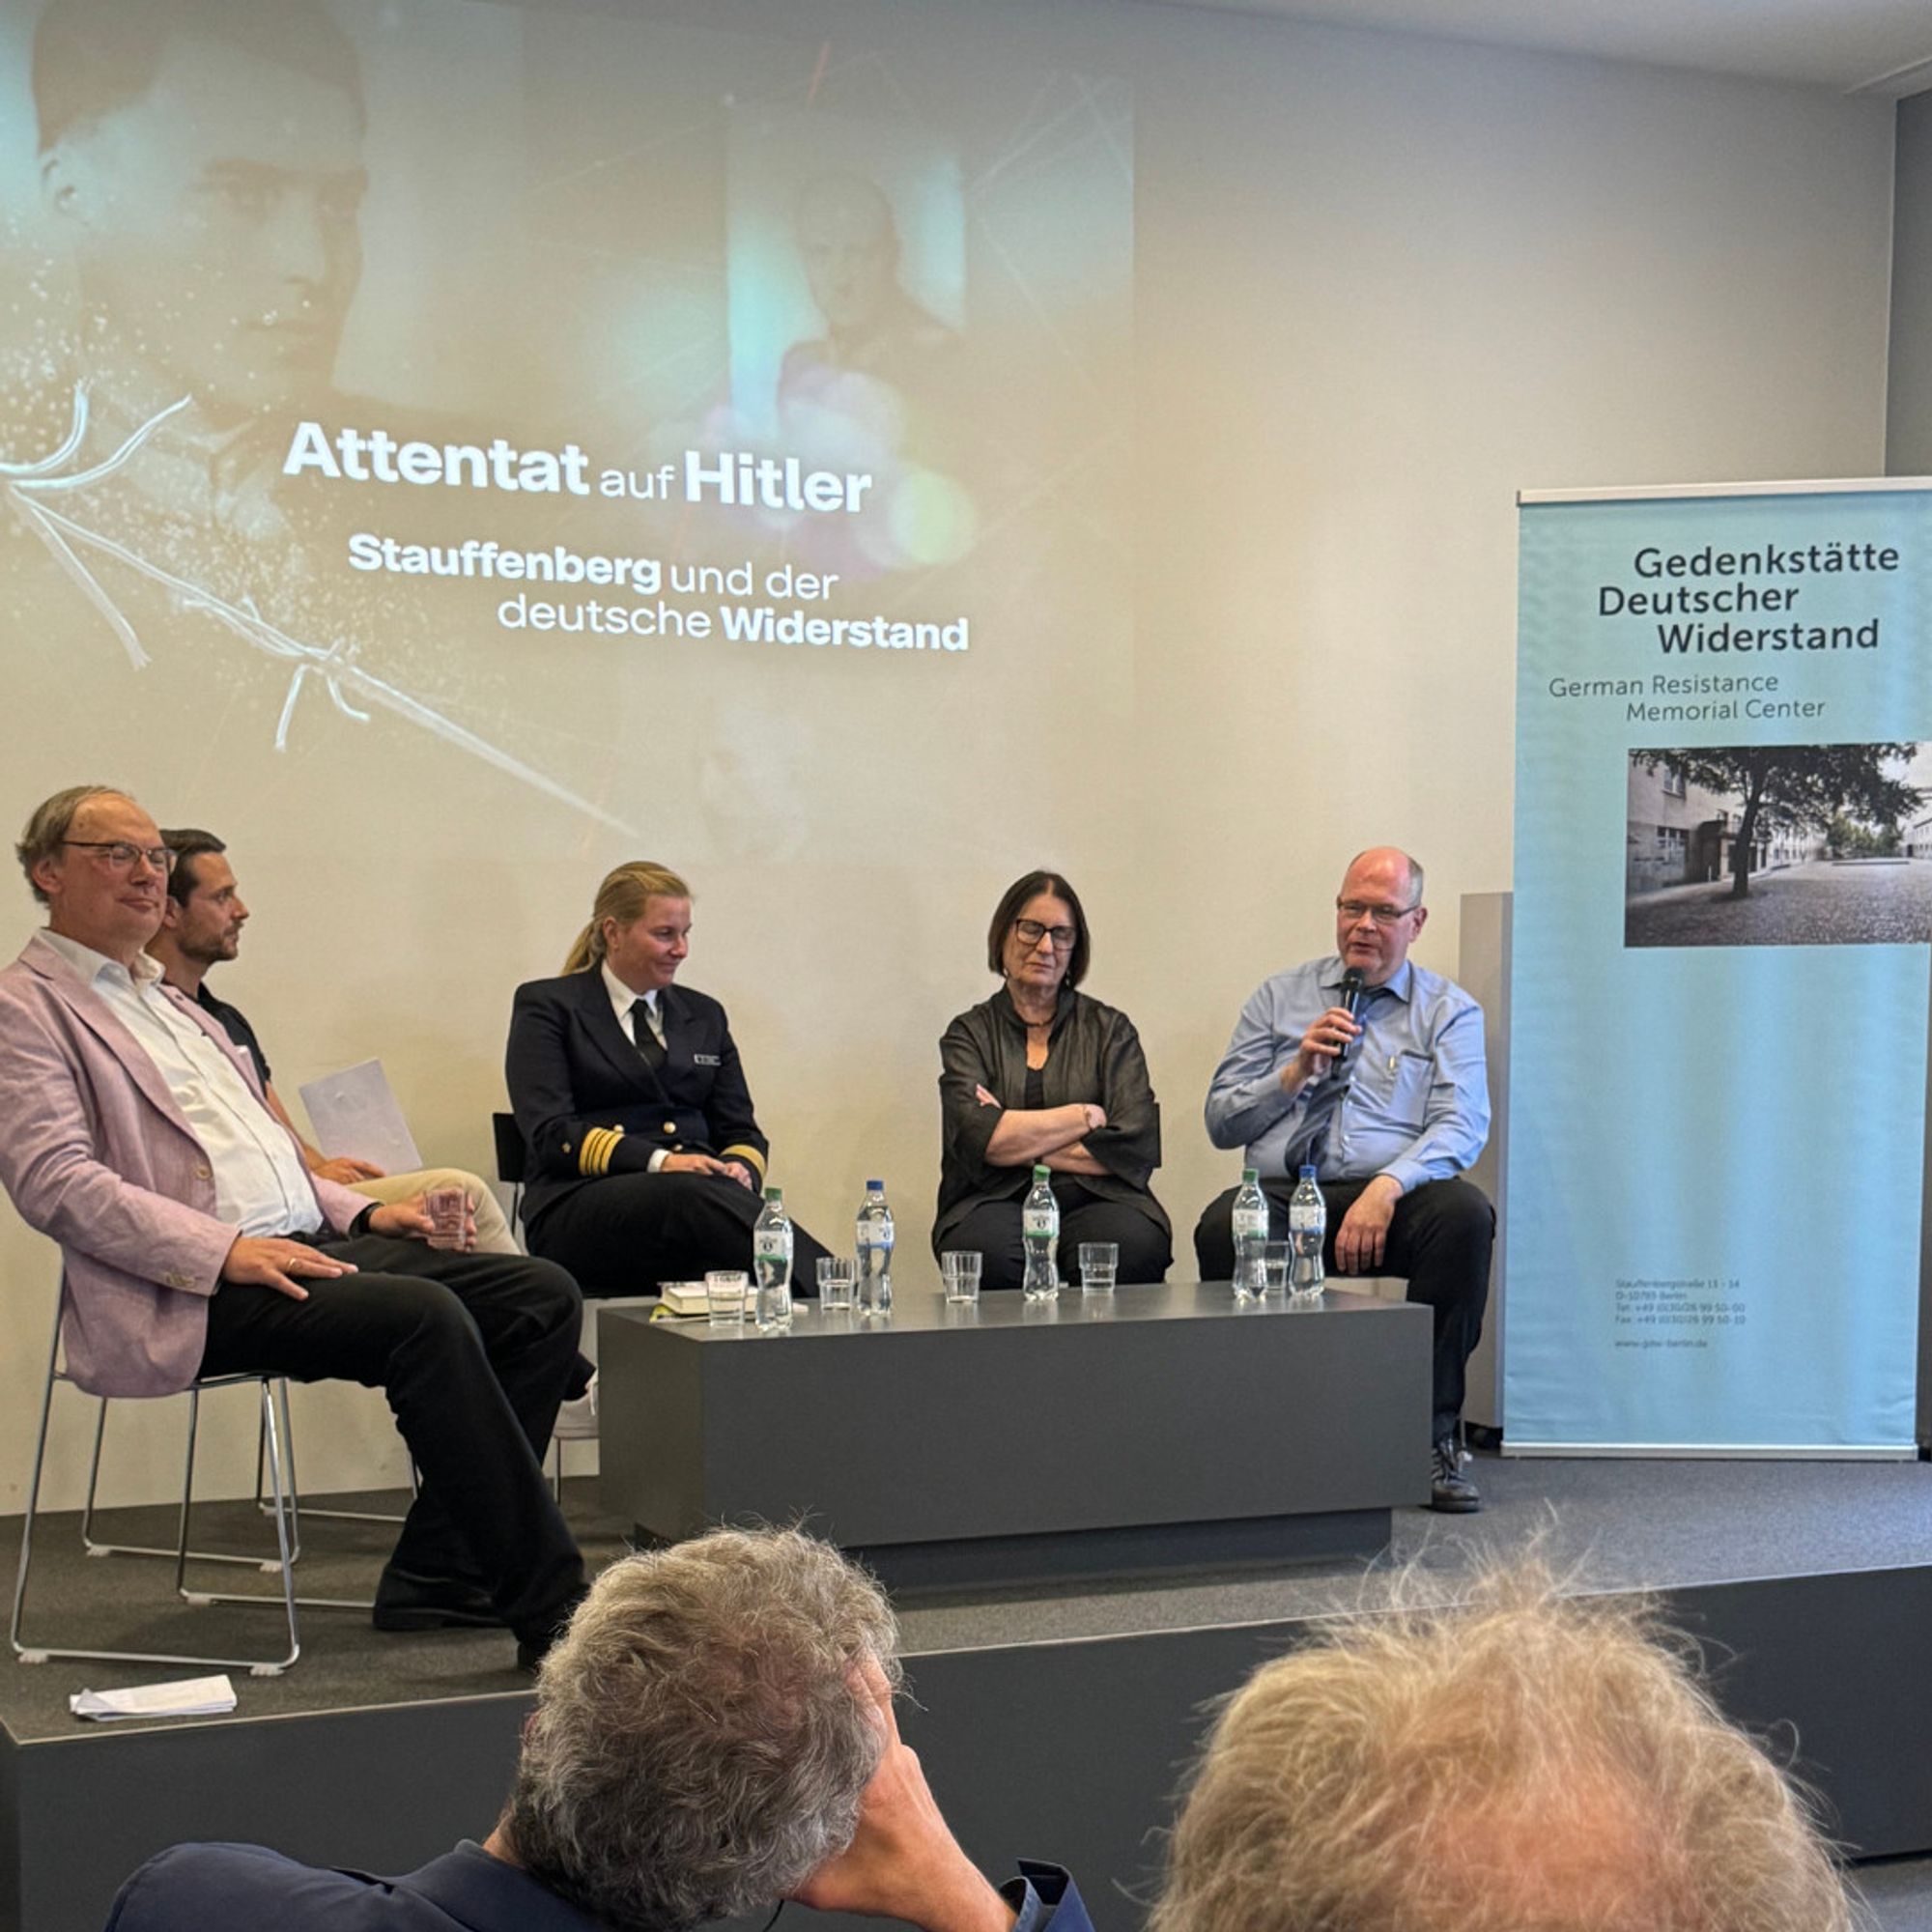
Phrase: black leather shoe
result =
(1450, 1490)
(405, 1601)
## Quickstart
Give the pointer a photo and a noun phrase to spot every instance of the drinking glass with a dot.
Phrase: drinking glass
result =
(725, 1297)
(1100, 1264)
(960, 1272)
(837, 1282)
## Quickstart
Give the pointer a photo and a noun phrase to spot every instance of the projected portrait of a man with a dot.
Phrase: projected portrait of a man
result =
(200, 169)
(201, 161)
(848, 244)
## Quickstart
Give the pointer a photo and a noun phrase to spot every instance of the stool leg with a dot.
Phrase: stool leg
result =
(172, 1551)
(41, 1653)
(23, 1652)
(275, 1458)
(283, 1486)
(295, 1490)
(187, 1490)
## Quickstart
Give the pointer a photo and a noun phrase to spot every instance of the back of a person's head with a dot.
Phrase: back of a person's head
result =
(703, 1733)
(1518, 1762)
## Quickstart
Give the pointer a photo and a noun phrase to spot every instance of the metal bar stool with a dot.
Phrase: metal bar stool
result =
(272, 1425)
(284, 1502)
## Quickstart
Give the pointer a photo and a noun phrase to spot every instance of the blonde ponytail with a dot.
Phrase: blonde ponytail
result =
(622, 897)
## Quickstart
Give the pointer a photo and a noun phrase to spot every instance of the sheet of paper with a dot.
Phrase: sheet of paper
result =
(355, 1112)
(180, 1697)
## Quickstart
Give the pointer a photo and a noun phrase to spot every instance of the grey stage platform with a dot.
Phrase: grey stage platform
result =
(1052, 1723)
(1007, 1443)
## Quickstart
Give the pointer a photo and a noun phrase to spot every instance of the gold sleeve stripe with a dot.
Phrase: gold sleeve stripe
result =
(751, 1153)
(600, 1144)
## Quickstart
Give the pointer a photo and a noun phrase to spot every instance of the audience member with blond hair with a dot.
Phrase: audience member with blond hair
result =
(1520, 1761)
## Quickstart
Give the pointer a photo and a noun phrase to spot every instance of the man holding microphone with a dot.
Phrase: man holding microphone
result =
(1370, 1069)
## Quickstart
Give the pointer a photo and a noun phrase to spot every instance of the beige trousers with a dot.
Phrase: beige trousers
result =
(493, 1232)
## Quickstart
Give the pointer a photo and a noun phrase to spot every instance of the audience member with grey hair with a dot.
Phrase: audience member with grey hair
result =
(1522, 1762)
(713, 1734)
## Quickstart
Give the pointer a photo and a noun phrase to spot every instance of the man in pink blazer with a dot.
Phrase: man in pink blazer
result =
(195, 1241)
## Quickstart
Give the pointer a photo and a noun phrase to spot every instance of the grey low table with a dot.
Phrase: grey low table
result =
(1007, 1443)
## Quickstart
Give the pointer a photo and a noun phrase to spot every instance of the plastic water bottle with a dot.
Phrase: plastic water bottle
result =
(1039, 1231)
(1251, 1233)
(770, 1261)
(1307, 1229)
(874, 1235)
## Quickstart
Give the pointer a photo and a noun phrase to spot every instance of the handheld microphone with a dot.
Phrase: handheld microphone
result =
(1350, 1000)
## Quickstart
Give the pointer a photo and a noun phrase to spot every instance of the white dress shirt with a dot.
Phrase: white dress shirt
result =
(261, 1184)
(622, 1002)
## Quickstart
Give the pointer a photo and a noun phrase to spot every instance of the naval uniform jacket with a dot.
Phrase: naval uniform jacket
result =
(588, 1103)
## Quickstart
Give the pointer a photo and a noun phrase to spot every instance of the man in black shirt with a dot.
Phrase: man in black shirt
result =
(201, 926)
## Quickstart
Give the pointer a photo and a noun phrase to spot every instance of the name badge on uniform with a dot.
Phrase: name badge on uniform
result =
(706, 1059)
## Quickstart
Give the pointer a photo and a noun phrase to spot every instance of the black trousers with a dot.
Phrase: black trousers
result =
(993, 1230)
(1439, 1241)
(628, 1231)
(472, 1352)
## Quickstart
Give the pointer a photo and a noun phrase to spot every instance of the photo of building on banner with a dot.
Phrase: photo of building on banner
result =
(1780, 845)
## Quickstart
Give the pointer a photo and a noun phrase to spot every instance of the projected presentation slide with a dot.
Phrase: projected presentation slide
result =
(601, 422)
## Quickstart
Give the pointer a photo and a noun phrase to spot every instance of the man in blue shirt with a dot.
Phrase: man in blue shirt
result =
(713, 1733)
(1389, 1104)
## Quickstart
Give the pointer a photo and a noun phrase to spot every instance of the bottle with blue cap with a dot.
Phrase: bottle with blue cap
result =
(872, 1235)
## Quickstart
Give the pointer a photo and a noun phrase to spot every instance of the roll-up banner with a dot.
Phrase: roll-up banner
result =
(1719, 998)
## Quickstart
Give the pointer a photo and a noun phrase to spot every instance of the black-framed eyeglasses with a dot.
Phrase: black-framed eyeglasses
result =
(121, 855)
(1352, 910)
(1031, 932)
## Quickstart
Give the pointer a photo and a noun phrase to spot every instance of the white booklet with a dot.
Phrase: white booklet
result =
(182, 1697)
(355, 1112)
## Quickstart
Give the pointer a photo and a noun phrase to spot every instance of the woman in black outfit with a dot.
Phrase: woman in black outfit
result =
(1040, 1072)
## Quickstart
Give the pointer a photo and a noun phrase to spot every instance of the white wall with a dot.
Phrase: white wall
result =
(1381, 283)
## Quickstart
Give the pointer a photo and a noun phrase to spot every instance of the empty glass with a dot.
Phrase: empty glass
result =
(1100, 1264)
(725, 1297)
(837, 1282)
(1275, 1259)
(959, 1273)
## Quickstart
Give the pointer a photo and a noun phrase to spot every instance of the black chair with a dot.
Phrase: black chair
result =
(511, 1160)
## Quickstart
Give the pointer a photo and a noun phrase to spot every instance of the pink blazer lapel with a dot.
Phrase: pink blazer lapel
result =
(97, 1018)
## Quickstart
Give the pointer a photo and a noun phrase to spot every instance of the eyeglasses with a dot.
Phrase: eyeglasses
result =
(121, 855)
(1354, 910)
(1031, 932)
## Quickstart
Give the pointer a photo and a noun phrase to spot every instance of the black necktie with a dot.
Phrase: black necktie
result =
(648, 1044)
